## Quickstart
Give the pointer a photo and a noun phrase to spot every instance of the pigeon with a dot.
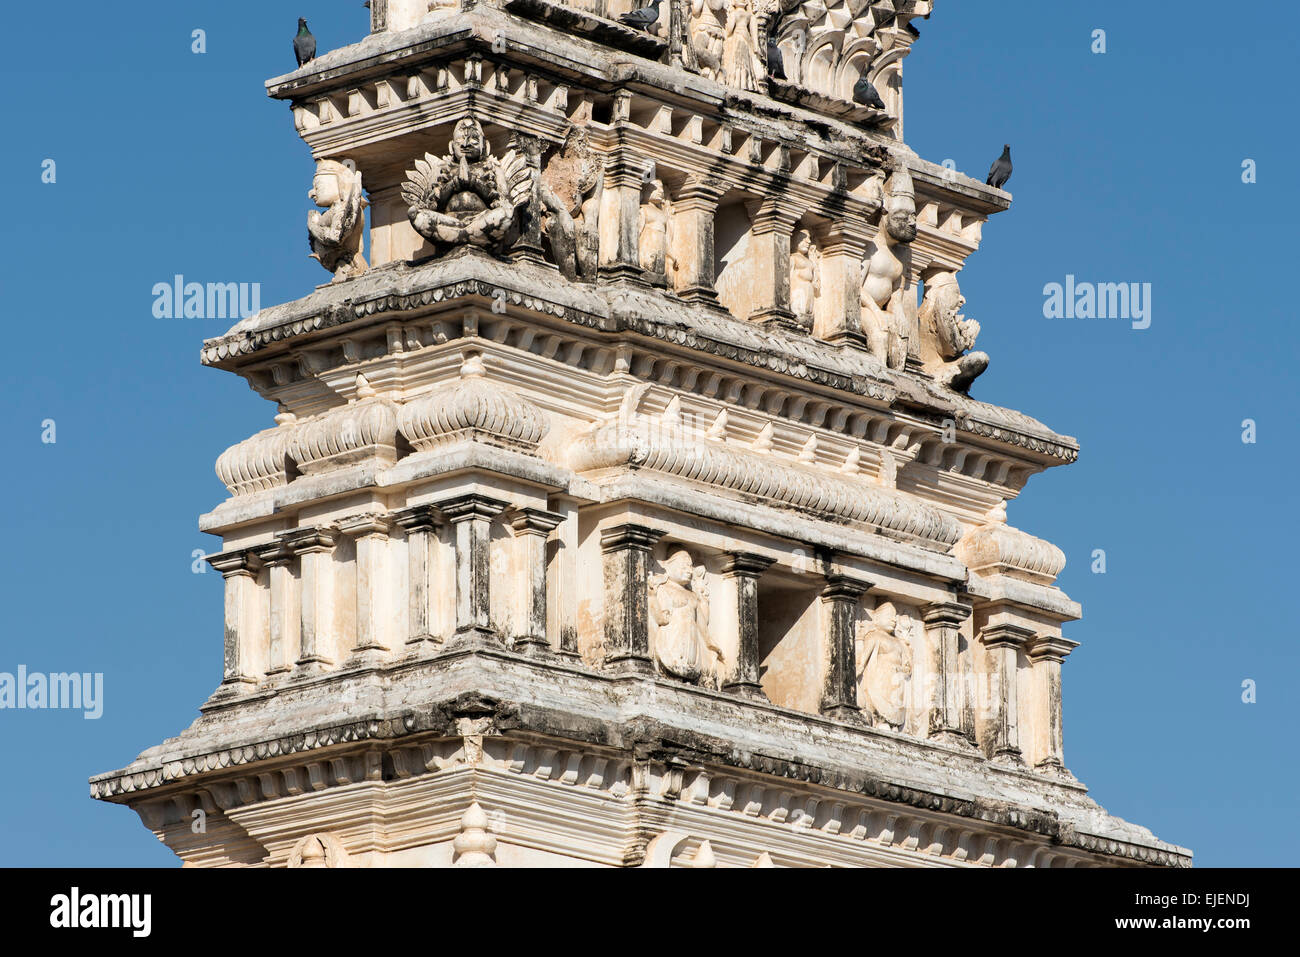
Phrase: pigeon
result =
(866, 94)
(1001, 171)
(642, 18)
(304, 44)
(775, 62)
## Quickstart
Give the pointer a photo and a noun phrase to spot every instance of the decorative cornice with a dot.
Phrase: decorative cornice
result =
(764, 477)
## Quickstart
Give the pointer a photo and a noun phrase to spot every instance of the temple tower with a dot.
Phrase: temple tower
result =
(626, 504)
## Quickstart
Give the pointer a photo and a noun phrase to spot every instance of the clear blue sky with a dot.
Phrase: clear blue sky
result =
(1128, 168)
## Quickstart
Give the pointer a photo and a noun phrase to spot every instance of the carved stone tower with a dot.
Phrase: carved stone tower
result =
(626, 504)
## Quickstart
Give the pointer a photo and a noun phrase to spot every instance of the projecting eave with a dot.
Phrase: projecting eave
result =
(403, 292)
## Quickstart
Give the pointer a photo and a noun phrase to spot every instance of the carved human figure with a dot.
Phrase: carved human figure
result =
(887, 273)
(805, 278)
(946, 334)
(570, 192)
(740, 51)
(884, 662)
(708, 35)
(654, 240)
(469, 196)
(679, 610)
(336, 235)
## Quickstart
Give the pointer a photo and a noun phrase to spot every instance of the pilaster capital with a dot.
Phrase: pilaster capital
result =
(622, 537)
(275, 554)
(773, 214)
(418, 518)
(464, 508)
(945, 613)
(744, 565)
(232, 564)
(303, 541)
(534, 521)
(1006, 636)
(844, 588)
(699, 193)
(1051, 648)
(361, 526)
(846, 237)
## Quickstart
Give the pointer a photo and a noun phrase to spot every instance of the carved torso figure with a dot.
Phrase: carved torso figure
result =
(886, 281)
(805, 278)
(946, 334)
(336, 235)
(739, 54)
(570, 191)
(468, 196)
(679, 612)
(654, 241)
(884, 661)
(708, 35)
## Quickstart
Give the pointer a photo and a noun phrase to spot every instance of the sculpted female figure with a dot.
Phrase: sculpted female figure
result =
(708, 35)
(805, 278)
(654, 242)
(884, 662)
(739, 54)
(680, 613)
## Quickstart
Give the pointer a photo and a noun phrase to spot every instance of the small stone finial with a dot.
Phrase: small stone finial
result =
(472, 367)
(672, 417)
(997, 515)
(764, 441)
(283, 416)
(474, 846)
(809, 451)
(852, 461)
(763, 860)
(718, 430)
(704, 856)
(364, 389)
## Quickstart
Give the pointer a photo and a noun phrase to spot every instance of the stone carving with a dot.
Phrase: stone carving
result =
(886, 282)
(826, 45)
(884, 661)
(655, 239)
(364, 430)
(740, 49)
(474, 846)
(946, 335)
(474, 408)
(995, 548)
(318, 850)
(468, 197)
(679, 611)
(708, 35)
(336, 235)
(570, 191)
(805, 278)
(259, 462)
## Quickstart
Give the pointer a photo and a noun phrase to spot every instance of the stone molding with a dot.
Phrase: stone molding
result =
(784, 809)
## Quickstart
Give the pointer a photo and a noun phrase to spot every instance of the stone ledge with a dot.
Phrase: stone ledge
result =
(400, 288)
(497, 692)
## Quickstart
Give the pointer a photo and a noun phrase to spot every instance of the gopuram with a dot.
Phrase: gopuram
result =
(625, 504)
